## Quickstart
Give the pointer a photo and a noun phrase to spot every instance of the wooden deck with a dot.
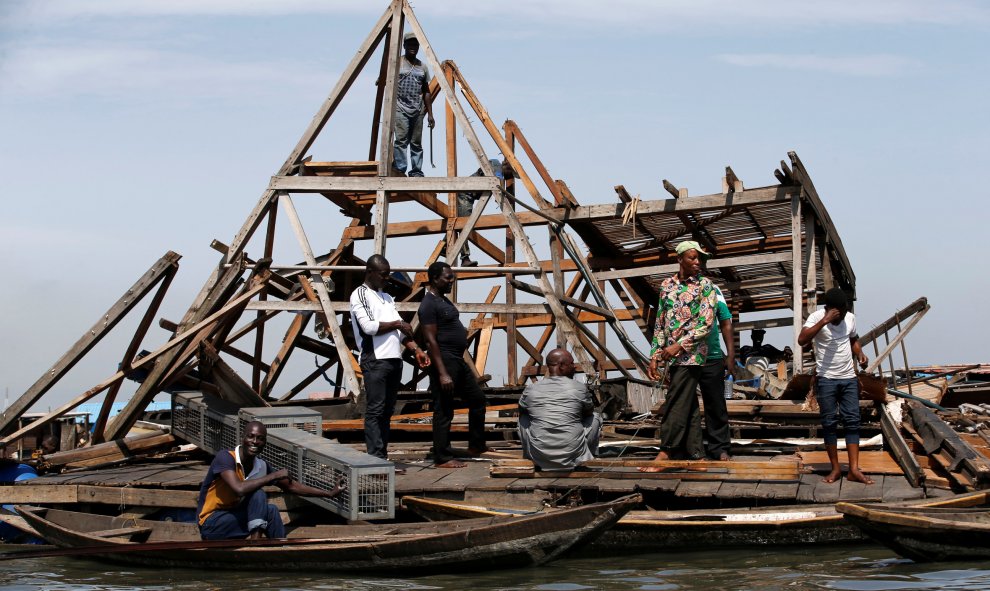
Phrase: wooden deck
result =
(175, 484)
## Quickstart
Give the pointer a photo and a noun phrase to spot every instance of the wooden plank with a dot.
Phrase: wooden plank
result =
(158, 271)
(898, 446)
(827, 492)
(857, 491)
(797, 280)
(214, 296)
(666, 269)
(120, 532)
(330, 318)
(292, 334)
(774, 490)
(806, 490)
(431, 184)
(697, 489)
(899, 489)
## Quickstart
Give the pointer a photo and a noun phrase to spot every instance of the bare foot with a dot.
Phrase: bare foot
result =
(477, 452)
(833, 476)
(724, 456)
(661, 457)
(857, 476)
(451, 464)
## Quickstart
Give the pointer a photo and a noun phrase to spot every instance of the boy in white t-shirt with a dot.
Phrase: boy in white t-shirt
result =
(832, 331)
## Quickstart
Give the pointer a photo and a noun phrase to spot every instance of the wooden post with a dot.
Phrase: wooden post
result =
(330, 319)
(796, 279)
(450, 127)
(811, 264)
(511, 332)
(132, 350)
(907, 368)
(385, 151)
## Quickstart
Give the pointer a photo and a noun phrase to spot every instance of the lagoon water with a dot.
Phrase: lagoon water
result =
(852, 568)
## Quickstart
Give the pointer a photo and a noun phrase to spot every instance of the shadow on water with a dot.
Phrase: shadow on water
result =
(852, 568)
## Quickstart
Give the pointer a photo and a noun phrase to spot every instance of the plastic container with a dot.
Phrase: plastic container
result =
(728, 388)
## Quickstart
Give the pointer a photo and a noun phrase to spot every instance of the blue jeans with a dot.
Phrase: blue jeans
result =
(408, 134)
(252, 513)
(839, 399)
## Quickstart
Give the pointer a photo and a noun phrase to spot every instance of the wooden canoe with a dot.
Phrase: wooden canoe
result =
(475, 544)
(654, 531)
(925, 534)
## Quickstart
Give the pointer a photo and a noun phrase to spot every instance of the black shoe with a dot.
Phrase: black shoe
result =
(466, 262)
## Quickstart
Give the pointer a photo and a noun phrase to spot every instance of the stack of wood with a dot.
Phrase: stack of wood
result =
(111, 452)
(966, 467)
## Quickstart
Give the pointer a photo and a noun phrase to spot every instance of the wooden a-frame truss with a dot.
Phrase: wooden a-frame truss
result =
(765, 259)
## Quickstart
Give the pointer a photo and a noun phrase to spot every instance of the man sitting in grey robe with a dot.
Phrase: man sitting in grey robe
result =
(558, 426)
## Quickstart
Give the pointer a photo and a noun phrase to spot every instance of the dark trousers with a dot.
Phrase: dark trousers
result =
(680, 430)
(465, 387)
(838, 398)
(712, 384)
(252, 513)
(382, 378)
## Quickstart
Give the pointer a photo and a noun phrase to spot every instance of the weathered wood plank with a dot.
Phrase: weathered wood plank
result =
(697, 489)
(775, 490)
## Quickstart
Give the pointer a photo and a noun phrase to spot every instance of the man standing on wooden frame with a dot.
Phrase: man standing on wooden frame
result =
(712, 382)
(412, 101)
(832, 332)
(381, 334)
(446, 339)
(685, 316)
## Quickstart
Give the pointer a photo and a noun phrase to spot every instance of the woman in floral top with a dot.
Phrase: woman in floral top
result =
(685, 316)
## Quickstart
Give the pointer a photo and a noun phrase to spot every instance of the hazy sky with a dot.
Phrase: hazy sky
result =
(129, 128)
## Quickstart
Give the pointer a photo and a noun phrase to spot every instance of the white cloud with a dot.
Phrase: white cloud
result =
(639, 14)
(856, 65)
(112, 70)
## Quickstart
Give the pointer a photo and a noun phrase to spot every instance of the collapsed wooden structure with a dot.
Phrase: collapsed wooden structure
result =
(774, 247)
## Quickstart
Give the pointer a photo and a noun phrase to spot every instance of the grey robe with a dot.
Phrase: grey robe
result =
(555, 430)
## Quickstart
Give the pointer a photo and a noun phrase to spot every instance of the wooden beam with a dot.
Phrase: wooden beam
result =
(234, 306)
(330, 317)
(158, 271)
(295, 330)
(434, 184)
(132, 350)
(753, 259)
(797, 280)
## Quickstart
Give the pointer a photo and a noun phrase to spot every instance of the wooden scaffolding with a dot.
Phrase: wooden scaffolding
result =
(775, 248)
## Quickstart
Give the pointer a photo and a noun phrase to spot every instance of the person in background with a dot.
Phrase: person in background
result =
(832, 332)
(446, 340)
(412, 101)
(558, 425)
(232, 502)
(685, 316)
(466, 201)
(712, 382)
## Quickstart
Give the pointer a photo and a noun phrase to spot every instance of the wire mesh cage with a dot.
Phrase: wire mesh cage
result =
(272, 417)
(205, 421)
(370, 490)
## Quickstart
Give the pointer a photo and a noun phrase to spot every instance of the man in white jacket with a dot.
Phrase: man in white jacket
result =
(381, 334)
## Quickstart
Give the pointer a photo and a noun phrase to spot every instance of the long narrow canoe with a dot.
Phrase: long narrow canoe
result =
(925, 534)
(475, 544)
(653, 531)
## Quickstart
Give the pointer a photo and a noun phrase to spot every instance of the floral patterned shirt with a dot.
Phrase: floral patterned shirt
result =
(685, 315)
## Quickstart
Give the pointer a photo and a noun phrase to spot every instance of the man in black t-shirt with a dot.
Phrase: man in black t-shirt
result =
(446, 340)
